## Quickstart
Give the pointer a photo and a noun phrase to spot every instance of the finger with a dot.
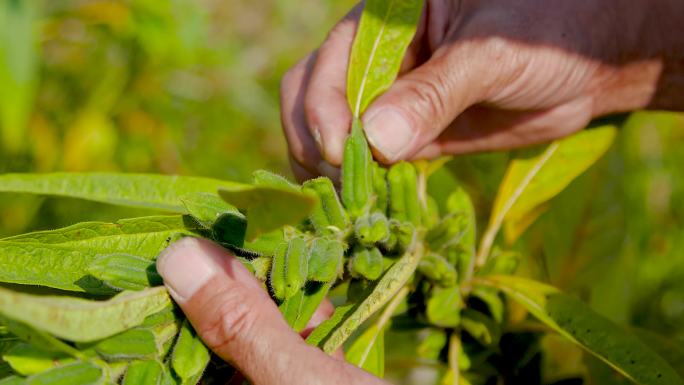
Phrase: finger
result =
(292, 90)
(327, 111)
(422, 103)
(482, 129)
(237, 319)
(322, 313)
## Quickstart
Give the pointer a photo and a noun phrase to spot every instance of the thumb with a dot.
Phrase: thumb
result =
(235, 317)
(418, 107)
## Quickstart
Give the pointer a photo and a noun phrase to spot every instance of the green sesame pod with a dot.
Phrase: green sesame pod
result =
(380, 228)
(367, 263)
(325, 259)
(296, 266)
(269, 179)
(190, 356)
(371, 229)
(447, 232)
(131, 344)
(362, 230)
(380, 188)
(357, 172)
(329, 216)
(81, 373)
(125, 271)
(404, 233)
(391, 243)
(403, 193)
(278, 269)
(143, 373)
(438, 270)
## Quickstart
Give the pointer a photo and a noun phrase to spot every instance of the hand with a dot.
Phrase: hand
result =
(490, 75)
(237, 319)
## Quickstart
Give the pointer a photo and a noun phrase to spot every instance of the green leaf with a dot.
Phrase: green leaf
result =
(125, 271)
(83, 320)
(19, 48)
(60, 258)
(82, 373)
(444, 307)
(13, 380)
(128, 345)
(226, 223)
(368, 351)
(384, 33)
(299, 309)
(481, 327)
(432, 344)
(573, 319)
(207, 208)
(27, 359)
(269, 208)
(152, 191)
(190, 357)
(539, 175)
(143, 372)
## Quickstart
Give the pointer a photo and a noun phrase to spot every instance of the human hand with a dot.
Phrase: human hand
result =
(489, 75)
(237, 319)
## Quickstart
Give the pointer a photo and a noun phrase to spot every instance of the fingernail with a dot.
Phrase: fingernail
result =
(186, 267)
(316, 133)
(389, 133)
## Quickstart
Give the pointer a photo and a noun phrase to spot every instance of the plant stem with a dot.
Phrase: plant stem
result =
(454, 348)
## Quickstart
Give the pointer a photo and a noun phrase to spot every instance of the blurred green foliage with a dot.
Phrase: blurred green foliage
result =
(190, 87)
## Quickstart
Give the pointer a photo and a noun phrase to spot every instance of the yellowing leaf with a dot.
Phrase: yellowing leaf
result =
(569, 316)
(539, 175)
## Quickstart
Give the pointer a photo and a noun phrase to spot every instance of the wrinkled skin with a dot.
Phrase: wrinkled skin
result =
(490, 75)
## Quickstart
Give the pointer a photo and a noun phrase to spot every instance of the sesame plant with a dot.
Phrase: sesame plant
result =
(84, 304)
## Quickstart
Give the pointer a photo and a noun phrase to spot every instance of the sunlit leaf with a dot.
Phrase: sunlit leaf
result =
(269, 208)
(27, 359)
(538, 175)
(60, 258)
(151, 191)
(384, 33)
(573, 319)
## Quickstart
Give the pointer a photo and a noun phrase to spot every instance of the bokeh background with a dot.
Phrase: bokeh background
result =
(190, 87)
